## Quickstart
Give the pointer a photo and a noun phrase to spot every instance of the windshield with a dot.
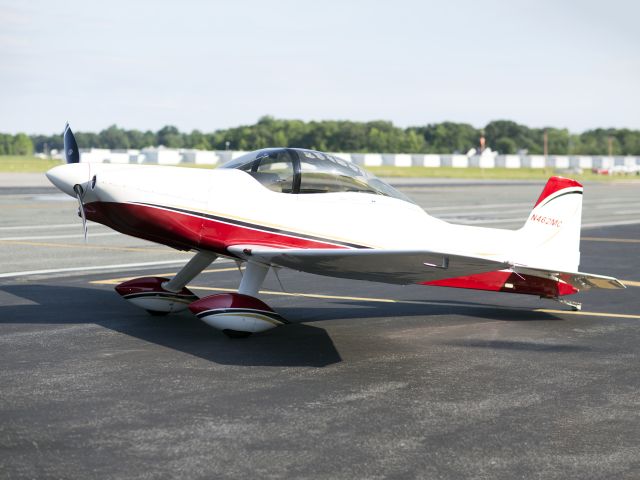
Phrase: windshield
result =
(273, 168)
(287, 170)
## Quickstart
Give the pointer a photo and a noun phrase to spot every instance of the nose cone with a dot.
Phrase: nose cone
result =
(66, 176)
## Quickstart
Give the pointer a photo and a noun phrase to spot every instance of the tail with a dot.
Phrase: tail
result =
(551, 235)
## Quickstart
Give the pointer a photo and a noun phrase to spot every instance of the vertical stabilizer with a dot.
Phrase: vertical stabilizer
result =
(550, 238)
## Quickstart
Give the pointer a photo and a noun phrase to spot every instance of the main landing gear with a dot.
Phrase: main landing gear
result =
(238, 315)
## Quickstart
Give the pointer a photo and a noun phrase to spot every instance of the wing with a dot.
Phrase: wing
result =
(388, 266)
(580, 280)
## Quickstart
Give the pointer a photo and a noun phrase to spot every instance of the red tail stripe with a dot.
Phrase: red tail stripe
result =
(556, 184)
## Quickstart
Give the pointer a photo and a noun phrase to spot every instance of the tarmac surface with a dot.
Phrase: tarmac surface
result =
(369, 381)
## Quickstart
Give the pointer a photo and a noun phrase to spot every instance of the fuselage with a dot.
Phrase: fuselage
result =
(199, 209)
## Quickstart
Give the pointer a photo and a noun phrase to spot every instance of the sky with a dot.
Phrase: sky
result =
(216, 64)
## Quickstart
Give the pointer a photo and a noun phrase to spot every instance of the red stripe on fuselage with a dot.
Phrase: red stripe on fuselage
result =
(185, 231)
(499, 281)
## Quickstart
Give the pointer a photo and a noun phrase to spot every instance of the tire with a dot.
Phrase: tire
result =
(236, 333)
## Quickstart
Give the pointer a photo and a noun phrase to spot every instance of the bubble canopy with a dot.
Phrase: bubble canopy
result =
(296, 170)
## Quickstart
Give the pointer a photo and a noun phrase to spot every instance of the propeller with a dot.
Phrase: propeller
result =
(72, 155)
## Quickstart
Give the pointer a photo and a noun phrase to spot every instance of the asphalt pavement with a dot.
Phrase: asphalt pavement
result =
(369, 380)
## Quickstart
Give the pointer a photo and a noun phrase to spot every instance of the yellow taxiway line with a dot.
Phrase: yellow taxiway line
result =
(411, 302)
(115, 281)
(588, 314)
(613, 240)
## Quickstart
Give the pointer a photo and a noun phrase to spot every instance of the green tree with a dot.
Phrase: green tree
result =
(135, 139)
(629, 141)
(6, 144)
(523, 137)
(341, 135)
(196, 139)
(558, 141)
(113, 137)
(46, 143)
(170, 137)
(22, 145)
(448, 137)
(87, 140)
(149, 139)
(505, 145)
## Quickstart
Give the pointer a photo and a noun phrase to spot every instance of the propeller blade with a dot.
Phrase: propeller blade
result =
(71, 153)
(79, 195)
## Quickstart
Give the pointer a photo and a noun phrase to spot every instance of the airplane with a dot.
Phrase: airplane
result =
(317, 213)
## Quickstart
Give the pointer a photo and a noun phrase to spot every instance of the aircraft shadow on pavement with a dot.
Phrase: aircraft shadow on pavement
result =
(345, 309)
(296, 344)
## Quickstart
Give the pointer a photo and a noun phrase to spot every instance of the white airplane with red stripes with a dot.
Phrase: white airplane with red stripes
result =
(316, 213)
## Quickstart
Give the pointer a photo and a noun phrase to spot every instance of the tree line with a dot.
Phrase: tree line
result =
(504, 136)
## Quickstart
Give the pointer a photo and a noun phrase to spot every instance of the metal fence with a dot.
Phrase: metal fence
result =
(168, 156)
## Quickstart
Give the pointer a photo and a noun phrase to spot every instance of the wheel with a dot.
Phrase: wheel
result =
(235, 314)
(157, 313)
(236, 333)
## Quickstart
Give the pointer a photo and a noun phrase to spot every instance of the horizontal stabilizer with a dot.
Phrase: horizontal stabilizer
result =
(579, 280)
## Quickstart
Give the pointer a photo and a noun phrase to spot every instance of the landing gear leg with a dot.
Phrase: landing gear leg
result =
(190, 271)
(161, 296)
(252, 278)
(574, 306)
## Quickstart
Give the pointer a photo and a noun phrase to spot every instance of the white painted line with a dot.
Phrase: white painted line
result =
(520, 221)
(471, 212)
(606, 203)
(48, 227)
(50, 237)
(88, 269)
(468, 213)
(610, 206)
(462, 221)
(626, 212)
(123, 266)
(610, 224)
(478, 207)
